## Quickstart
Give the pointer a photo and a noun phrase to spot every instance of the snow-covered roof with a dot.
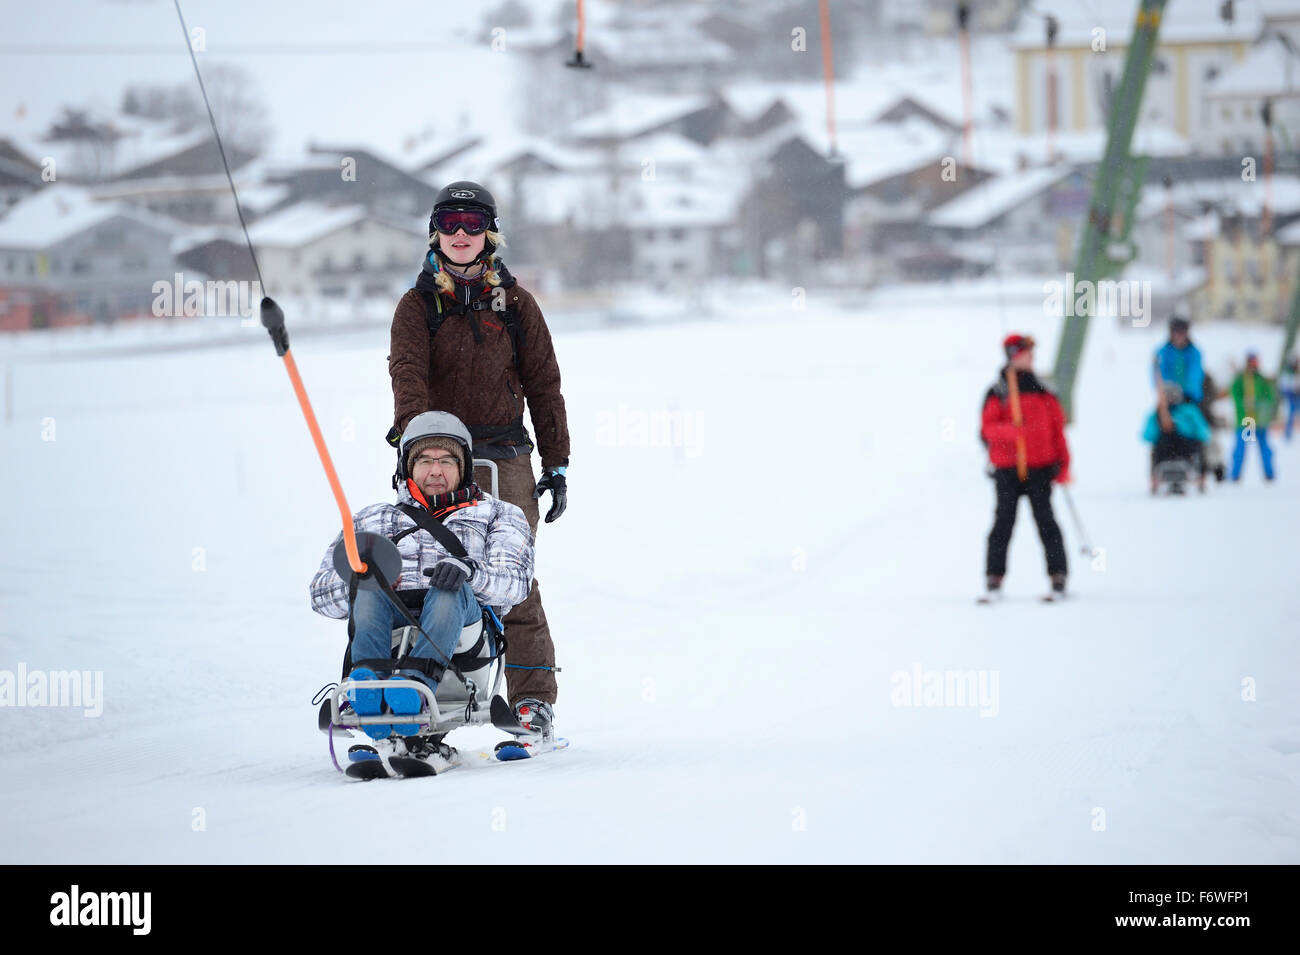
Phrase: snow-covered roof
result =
(1228, 194)
(431, 149)
(1267, 70)
(1183, 21)
(1289, 235)
(301, 223)
(881, 150)
(482, 161)
(668, 149)
(145, 147)
(749, 100)
(860, 99)
(258, 197)
(56, 212)
(655, 204)
(638, 113)
(190, 238)
(983, 203)
(1201, 228)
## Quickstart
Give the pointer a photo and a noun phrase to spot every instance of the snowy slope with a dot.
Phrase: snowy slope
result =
(732, 614)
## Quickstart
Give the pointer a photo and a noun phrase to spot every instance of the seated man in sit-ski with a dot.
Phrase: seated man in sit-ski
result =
(436, 464)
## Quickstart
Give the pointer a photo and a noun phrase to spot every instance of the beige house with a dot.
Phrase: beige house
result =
(338, 252)
(1067, 86)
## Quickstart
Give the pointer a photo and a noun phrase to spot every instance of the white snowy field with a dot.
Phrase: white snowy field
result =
(736, 614)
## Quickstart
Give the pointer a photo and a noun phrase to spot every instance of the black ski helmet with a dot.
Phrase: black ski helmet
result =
(465, 194)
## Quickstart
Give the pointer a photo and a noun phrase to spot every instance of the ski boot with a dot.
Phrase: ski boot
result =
(992, 589)
(538, 719)
(1058, 588)
(536, 716)
(420, 755)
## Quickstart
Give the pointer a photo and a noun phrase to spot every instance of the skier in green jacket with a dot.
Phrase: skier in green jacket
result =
(1256, 401)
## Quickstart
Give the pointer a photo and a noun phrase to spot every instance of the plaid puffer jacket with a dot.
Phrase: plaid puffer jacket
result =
(496, 536)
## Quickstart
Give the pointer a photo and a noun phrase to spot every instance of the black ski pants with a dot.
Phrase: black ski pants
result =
(1037, 486)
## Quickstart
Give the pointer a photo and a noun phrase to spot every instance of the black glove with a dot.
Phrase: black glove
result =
(394, 437)
(553, 481)
(450, 573)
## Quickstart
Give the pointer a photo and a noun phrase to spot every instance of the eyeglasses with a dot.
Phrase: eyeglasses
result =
(442, 462)
(473, 221)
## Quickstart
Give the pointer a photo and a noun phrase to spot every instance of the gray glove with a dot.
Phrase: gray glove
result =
(450, 573)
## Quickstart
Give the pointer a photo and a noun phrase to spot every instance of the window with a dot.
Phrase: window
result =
(676, 234)
(359, 262)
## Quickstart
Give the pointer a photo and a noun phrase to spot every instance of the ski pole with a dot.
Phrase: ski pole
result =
(1088, 550)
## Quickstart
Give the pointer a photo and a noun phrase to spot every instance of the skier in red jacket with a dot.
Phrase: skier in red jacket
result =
(1024, 428)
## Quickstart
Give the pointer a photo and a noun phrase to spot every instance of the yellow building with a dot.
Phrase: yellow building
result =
(1067, 86)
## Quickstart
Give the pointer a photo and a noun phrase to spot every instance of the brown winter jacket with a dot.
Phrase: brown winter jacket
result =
(479, 383)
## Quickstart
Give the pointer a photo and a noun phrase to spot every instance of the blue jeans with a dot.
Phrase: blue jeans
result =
(1292, 406)
(1265, 452)
(445, 614)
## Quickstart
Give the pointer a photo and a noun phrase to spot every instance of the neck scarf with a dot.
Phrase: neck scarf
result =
(440, 505)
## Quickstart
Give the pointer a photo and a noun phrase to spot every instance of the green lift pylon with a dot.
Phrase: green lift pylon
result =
(1105, 247)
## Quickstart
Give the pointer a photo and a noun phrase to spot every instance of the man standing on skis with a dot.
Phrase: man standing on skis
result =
(1256, 404)
(1023, 426)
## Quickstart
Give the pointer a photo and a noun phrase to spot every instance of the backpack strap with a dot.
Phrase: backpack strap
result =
(432, 311)
(435, 316)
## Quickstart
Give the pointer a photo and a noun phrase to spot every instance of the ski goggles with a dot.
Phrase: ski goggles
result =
(473, 221)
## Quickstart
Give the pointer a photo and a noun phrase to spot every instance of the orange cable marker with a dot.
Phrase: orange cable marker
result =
(1013, 387)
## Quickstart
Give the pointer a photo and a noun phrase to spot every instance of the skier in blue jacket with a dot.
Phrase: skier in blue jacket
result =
(1178, 361)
